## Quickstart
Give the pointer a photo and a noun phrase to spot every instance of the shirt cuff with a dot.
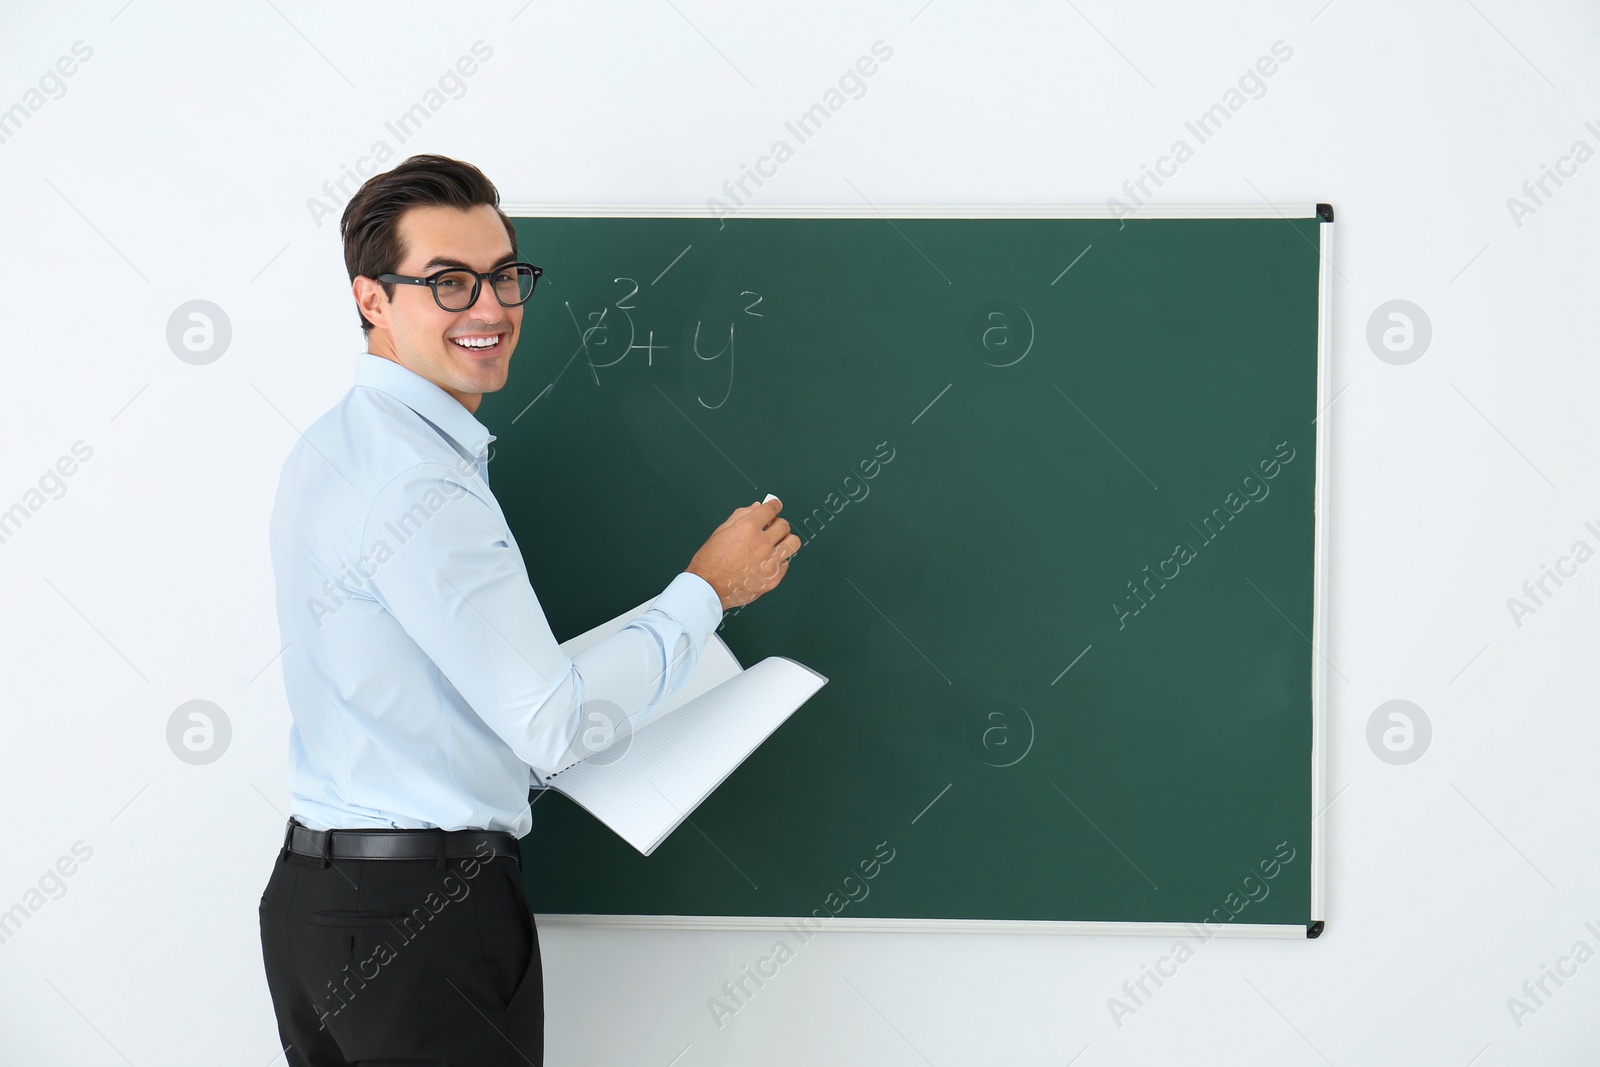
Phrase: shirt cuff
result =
(691, 601)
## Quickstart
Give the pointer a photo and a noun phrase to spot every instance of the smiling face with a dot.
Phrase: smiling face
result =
(465, 353)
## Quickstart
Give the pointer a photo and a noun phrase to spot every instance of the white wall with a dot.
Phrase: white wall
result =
(177, 165)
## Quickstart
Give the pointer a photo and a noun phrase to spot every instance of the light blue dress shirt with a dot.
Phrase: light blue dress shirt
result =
(426, 687)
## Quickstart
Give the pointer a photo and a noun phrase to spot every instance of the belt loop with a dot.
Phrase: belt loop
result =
(327, 848)
(288, 835)
(439, 863)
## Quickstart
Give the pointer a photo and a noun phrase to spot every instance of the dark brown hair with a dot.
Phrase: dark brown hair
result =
(370, 224)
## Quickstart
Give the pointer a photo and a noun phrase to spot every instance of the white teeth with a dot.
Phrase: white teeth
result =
(476, 342)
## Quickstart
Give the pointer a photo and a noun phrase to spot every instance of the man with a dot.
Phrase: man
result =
(427, 690)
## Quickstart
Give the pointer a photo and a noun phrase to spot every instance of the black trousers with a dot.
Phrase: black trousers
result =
(389, 962)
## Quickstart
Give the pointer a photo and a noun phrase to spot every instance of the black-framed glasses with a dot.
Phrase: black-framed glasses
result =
(457, 289)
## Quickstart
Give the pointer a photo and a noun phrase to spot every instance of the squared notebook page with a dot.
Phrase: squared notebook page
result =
(673, 764)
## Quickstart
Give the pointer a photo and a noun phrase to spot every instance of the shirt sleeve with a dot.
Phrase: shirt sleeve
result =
(457, 585)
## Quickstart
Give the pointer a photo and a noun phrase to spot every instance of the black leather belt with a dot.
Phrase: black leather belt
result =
(436, 845)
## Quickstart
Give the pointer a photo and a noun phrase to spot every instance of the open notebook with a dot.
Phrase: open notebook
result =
(690, 745)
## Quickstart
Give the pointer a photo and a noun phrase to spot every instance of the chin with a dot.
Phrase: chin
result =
(493, 383)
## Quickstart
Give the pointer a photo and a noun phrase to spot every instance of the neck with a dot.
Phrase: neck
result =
(381, 343)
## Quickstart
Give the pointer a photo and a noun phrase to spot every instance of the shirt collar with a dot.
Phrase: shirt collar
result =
(426, 399)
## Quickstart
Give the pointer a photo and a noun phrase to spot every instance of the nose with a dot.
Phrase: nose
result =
(486, 305)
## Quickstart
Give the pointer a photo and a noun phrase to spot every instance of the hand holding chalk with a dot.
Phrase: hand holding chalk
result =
(774, 496)
(748, 554)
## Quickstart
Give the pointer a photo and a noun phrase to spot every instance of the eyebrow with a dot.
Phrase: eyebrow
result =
(450, 261)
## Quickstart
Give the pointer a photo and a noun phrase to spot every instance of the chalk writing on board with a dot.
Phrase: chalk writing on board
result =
(596, 338)
(586, 335)
(634, 292)
(649, 348)
(728, 348)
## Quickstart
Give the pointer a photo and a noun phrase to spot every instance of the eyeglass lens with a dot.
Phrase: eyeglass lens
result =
(455, 289)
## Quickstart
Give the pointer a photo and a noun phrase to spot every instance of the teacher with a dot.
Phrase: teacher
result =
(427, 691)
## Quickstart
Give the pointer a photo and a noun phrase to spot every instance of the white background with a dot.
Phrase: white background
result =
(178, 164)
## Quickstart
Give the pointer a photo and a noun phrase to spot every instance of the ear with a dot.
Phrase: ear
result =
(372, 301)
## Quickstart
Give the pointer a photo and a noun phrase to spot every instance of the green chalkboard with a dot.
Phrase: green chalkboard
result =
(1056, 483)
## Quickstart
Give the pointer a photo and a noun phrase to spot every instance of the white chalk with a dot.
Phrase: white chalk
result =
(770, 496)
